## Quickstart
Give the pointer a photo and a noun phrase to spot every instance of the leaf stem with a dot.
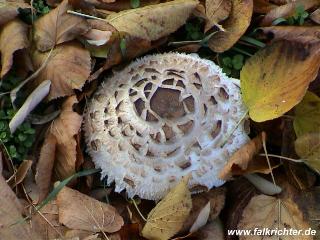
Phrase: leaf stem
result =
(84, 15)
(138, 210)
(281, 157)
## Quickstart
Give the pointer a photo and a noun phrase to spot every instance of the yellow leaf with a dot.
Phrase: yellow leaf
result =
(276, 78)
(167, 218)
(307, 115)
(269, 212)
(235, 26)
(217, 11)
(154, 21)
(307, 147)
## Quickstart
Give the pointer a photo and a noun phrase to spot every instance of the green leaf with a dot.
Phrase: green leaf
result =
(135, 3)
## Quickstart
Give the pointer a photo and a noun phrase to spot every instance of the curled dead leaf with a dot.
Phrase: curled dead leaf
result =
(20, 174)
(13, 37)
(167, 218)
(263, 6)
(216, 11)
(235, 26)
(68, 68)
(276, 78)
(58, 27)
(9, 9)
(155, 21)
(78, 211)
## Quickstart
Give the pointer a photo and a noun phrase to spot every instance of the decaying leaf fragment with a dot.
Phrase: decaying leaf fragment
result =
(68, 68)
(307, 115)
(269, 212)
(235, 26)
(78, 211)
(154, 21)
(315, 16)
(9, 9)
(276, 78)
(13, 37)
(216, 11)
(307, 147)
(166, 219)
(57, 27)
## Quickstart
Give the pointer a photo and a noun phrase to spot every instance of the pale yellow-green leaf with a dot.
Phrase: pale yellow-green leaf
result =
(154, 21)
(276, 78)
(307, 115)
(167, 218)
(307, 147)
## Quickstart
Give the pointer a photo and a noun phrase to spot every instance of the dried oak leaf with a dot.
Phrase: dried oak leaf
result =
(167, 218)
(307, 147)
(68, 67)
(287, 10)
(235, 26)
(10, 213)
(276, 78)
(57, 27)
(216, 11)
(154, 21)
(13, 37)
(307, 115)
(10, 9)
(79, 211)
(303, 34)
(269, 212)
(65, 128)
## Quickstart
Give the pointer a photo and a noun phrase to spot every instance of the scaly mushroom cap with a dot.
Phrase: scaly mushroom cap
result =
(162, 117)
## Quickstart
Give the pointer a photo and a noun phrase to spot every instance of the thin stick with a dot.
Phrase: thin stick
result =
(267, 157)
(138, 210)
(281, 157)
(85, 15)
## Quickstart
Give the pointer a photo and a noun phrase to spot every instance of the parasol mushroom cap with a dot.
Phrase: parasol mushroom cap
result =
(163, 117)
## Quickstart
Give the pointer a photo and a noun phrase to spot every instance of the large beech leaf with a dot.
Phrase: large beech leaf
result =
(10, 9)
(68, 68)
(235, 26)
(307, 147)
(154, 21)
(276, 78)
(57, 27)
(13, 37)
(167, 218)
(307, 115)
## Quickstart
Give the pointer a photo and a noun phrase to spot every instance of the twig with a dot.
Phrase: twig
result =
(267, 157)
(281, 157)
(85, 15)
(138, 210)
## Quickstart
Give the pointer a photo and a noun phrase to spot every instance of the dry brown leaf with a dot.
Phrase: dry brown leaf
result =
(235, 26)
(216, 11)
(243, 160)
(155, 21)
(20, 174)
(167, 218)
(9, 9)
(58, 27)
(315, 16)
(65, 128)
(68, 68)
(269, 212)
(13, 37)
(45, 166)
(10, 213)
(263, 6)
(303, 34)
(287, 10)
(78, 211)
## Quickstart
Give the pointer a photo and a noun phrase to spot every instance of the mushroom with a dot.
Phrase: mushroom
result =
(163, 117)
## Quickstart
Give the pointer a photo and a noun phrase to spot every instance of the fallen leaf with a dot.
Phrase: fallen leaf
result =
(13, 37)
(20, 174)
(213, 230)
(276, 78)
(78, 211)
(303, 34)
(58, 27)
(118, 6)
(235, 26)
(155, 21)
(201, 219)
(307, 147)
(31, 102)
(263, 6)
(315, 16)
(45, 166)
(10, 9)
(68, 68)
(100, 32)
(167, 218)
(216, 11)
(10, 213)
(269, 212)
(307, 115)
(287, 10)
(65, 128)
